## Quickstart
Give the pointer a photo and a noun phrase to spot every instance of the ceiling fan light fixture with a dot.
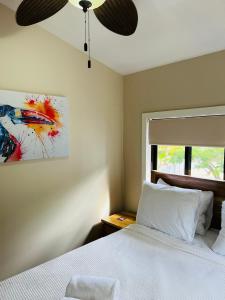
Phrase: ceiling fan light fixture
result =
(119, 16)
(94, 3)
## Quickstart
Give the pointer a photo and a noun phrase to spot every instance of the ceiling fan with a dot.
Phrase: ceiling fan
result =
(119, 16)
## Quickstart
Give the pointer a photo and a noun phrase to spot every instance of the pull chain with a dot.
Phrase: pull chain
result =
(85, 34)
(89, 42)
(86, 4)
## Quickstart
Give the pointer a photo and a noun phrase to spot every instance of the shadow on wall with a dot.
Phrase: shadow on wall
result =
(48, 222)
(8, 26)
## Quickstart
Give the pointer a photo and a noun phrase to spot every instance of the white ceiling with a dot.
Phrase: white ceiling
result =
(168, 31)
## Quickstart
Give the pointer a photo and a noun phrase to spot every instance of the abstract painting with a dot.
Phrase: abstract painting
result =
(32, 126)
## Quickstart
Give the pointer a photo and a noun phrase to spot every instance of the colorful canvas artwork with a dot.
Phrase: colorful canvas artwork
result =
(32, 126)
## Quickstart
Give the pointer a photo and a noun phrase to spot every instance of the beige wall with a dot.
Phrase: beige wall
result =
(193, 83)
(48, 207)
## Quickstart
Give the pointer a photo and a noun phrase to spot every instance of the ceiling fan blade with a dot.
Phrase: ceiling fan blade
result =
(119, 16)
(31, 12)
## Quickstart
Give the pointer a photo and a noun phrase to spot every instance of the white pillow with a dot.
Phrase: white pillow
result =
(205, 210)
(170, 210)
(219, 245)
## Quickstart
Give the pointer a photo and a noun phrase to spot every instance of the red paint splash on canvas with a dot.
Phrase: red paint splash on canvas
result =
(17, 154)
(46, 108)
(53, 133)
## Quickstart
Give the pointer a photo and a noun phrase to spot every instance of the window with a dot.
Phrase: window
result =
(171, 159)
(202, 162)
(207, 162)
(195, 126)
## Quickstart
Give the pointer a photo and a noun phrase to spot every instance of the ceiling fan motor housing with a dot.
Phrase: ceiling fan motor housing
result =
(85, 4)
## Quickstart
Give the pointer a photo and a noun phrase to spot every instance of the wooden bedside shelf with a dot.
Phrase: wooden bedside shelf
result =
(117, 221)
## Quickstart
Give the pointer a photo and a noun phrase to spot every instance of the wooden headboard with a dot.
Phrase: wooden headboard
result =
(218, 187)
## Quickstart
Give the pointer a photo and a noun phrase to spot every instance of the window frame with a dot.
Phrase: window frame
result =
(146, 117)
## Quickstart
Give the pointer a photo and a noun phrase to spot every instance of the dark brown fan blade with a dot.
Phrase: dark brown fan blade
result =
(119, 16)
(31, 12)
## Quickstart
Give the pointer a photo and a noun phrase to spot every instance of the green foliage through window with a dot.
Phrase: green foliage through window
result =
(171, 159)
(207, 162)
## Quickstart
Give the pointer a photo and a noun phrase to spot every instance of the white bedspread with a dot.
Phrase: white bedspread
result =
(149, 265)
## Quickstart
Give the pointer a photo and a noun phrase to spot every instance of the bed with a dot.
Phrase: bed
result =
(149, 264)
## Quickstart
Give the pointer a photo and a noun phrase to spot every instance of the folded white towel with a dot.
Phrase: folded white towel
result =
(93, 288)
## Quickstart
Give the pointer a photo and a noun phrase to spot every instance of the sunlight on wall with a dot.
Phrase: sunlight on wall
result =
(90, 195)
(105, 210)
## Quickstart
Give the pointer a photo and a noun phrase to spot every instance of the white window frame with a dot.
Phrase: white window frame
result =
(146, 117)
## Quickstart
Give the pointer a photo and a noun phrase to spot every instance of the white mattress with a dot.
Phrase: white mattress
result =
(149, 264)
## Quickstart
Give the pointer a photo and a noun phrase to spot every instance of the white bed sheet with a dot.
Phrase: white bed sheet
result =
(149, 264)
(207, 240)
